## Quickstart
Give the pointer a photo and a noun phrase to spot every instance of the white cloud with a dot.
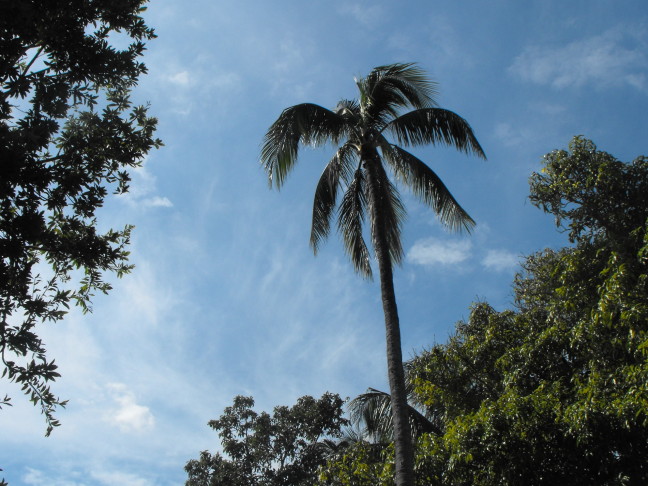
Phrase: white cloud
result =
(33, 476)
(157, 202)
(38, 478)
(129, 416)
(204, 76)
(615, 58)
(432, 251)
(123, 479)
(500, 260)
(180, 78)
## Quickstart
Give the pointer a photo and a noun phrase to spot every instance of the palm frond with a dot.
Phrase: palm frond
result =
(372, 411)
(387, 202)
(307, 124)
(396, 216)
(331, 448)
(387, 89)
(435, 126)
(339, 168)
(328, 448)
(349, 109)
(350, 220)
(428, 186)
(352, 434)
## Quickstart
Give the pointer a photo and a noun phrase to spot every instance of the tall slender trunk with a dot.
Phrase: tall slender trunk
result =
(404, 460)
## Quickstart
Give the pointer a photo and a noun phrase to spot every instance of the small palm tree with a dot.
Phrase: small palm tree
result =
(359, 169)
(371, 412)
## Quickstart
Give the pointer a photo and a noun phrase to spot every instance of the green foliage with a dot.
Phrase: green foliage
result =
(360, 464)
(68, 134)
(282, 449)
(592, 194)
(554, 391)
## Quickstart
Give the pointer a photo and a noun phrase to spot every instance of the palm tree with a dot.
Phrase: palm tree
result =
(371, 412)
(359, 169)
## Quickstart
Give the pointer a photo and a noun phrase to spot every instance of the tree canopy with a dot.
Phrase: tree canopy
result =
(555, 390)
(282, 449)
(69, 133)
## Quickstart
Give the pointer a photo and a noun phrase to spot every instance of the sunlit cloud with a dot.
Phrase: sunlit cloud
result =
(617, 57)
(432, 251)
(129, 416)
(500, 260)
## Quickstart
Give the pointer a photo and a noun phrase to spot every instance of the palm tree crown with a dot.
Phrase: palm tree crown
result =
(359, 129)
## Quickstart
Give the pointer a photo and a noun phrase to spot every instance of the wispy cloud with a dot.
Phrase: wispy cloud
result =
(191, 85)
(123, 479)
(142, 190)
(181, 78)
(432, 251)
(325, 334)
(158, 202)
(500, 260)
(368, 15)
(36, 477)
(548, 108)
(617, 57)
(512, 136)
(289, 56)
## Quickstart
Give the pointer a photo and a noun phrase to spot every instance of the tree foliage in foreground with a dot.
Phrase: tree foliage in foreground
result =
(259, 449)
(556, 390)
(68, 135)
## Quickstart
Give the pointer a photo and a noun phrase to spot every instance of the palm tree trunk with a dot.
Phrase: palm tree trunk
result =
(404, 460)
(402, 437)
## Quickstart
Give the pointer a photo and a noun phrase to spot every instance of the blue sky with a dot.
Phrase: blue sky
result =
(227, 297)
